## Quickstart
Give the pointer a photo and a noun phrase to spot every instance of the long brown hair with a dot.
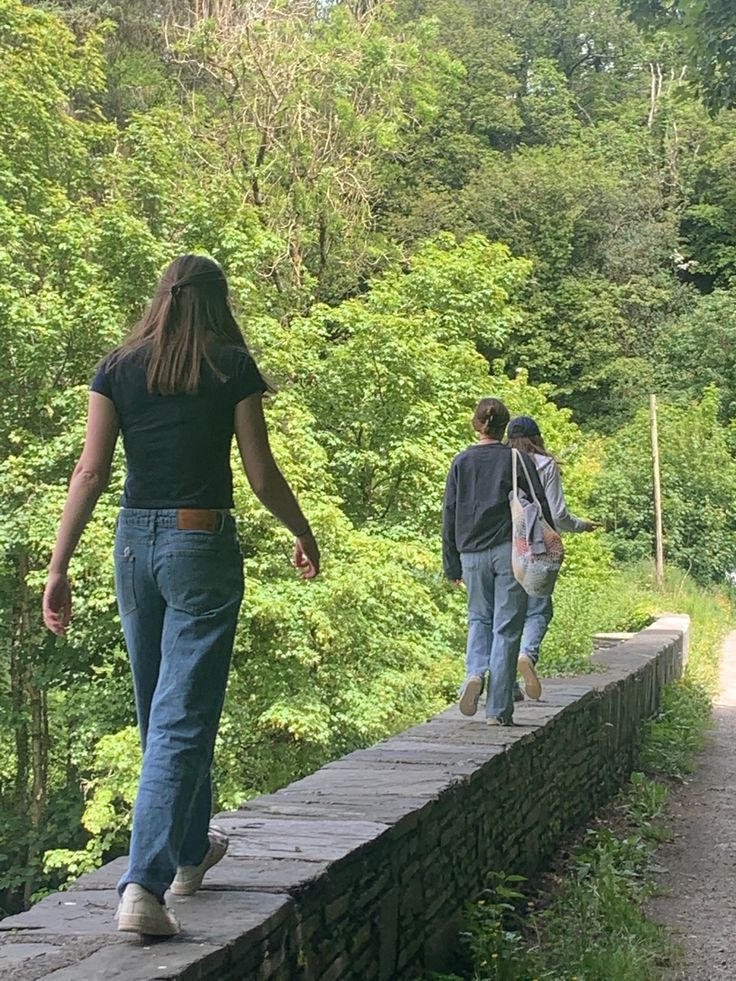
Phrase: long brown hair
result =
(490, 418)
(530, 445)
(189, 310)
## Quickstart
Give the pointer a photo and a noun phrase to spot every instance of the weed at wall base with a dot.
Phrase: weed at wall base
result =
(585, 921)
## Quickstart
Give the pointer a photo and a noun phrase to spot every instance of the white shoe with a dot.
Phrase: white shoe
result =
(140, 912)
(532, 685)
(188, 878)
(470, 694)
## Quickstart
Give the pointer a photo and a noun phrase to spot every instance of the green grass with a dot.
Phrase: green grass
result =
(625, 599)
(670, 742)
(586, 921)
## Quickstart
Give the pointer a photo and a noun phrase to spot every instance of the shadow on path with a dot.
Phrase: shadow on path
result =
(699, 886)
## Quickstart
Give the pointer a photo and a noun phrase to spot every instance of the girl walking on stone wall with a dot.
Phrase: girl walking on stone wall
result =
(177, 390)
(524, 435)
(477, 551)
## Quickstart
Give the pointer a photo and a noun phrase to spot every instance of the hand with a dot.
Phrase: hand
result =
(57, 603)
(592, 525)
(458, 582)
(306, 556)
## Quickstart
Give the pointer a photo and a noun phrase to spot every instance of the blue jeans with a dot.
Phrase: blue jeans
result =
(179, 593)
(496, 611)
(538, 618)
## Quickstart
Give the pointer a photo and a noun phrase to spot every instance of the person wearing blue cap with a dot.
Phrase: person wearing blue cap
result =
(524, 434)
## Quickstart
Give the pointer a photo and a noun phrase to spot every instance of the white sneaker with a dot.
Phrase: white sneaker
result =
(188, 878)
(532, 685)
(470, 694)
(140, 912)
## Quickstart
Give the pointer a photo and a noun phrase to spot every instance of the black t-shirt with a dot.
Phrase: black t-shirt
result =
(177, 447)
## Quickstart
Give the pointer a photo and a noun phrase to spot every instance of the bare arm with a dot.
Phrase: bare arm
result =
(89, 480)
(268, 482)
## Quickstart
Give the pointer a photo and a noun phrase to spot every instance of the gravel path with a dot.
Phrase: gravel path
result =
(699, 887)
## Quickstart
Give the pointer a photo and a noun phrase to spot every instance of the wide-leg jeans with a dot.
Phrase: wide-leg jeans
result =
(496, 610)
(179, 593)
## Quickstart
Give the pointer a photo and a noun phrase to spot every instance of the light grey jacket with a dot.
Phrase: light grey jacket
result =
(549, 474)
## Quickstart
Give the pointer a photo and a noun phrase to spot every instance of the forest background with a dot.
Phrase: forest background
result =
(418, 203)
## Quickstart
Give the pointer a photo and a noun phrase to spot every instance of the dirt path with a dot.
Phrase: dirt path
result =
(699, 886)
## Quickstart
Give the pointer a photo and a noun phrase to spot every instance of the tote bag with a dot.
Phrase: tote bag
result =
(536, 563)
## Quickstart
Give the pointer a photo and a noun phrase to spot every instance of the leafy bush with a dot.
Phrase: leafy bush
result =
(698, 490)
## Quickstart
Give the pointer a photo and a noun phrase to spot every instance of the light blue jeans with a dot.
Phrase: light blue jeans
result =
(496, 611)
(538, 618)
(179, 593)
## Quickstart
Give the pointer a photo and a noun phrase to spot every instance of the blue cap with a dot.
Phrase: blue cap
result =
(522, 426)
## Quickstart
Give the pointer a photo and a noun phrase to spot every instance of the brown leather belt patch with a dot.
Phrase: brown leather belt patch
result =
(197, 519)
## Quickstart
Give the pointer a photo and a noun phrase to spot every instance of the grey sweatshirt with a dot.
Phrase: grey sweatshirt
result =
(549, 474)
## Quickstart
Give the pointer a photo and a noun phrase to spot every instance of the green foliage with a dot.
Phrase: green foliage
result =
(307, 110)
(673, 738)
(394, 398)
(706, 242)
(706, 29)
(591, 924)
(600, 931)
(587, 921)
(598, 237)
(670, 742)
(110, 790)
(698, 489)
(417, 204)
(494, 937)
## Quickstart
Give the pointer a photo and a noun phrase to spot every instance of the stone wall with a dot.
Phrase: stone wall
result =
(361, 870)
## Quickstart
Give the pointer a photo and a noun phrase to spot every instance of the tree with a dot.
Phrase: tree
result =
(699, 350)
(708, 251)
(417, 204)
(138, 76)
(698, 489)
(54, 310)
(706, 29)
(308, 104)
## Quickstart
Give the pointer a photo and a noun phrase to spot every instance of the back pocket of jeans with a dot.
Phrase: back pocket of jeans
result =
(125, 582)
(204, 580)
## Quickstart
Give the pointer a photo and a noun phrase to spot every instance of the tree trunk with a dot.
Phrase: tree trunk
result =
(31, 743)
(40, 766)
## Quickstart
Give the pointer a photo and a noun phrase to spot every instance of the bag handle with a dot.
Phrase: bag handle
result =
(518, 455)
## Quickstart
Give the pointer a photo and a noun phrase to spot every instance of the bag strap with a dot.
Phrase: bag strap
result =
(526, 474)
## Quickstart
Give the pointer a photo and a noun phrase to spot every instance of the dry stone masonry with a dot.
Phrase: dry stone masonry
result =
(361, 870)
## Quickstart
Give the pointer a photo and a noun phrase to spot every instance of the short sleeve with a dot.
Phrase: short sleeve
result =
(101, 381)
(246, 379)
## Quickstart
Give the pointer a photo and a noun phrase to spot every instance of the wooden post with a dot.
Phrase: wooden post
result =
(659, 553)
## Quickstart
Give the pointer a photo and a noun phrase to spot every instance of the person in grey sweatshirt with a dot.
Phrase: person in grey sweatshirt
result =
(524, 434)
